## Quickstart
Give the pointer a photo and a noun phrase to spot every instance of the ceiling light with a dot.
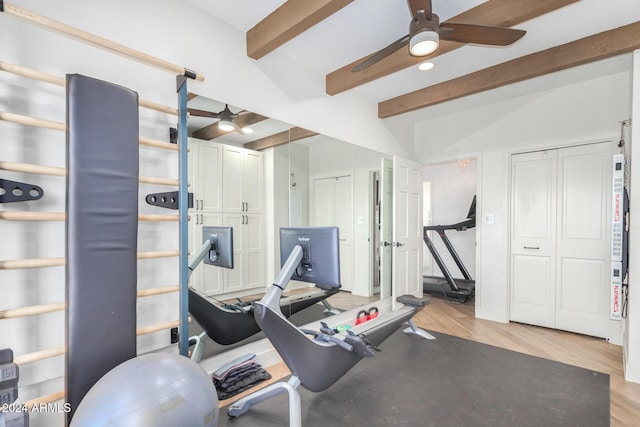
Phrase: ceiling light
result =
(424, 43)
(426, 66)
(225, 125)
(247, 130)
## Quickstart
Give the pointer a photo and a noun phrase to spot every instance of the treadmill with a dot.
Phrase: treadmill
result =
(453, 288)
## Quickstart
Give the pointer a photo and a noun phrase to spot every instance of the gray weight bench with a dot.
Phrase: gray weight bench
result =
(317, 359)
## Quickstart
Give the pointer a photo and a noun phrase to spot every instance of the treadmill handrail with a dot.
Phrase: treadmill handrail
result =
(459, 226)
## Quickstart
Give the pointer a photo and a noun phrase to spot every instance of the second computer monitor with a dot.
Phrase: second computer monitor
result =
(221, 250)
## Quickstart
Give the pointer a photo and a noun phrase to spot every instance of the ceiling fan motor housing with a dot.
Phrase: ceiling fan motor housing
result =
(421, 23)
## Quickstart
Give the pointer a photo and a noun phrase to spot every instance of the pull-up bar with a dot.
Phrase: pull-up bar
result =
(97, 41)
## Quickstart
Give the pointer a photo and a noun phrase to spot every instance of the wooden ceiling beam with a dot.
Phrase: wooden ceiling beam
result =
(500, 13)
(212, 131)
(593, 48)
(293, 134)
(286, 22)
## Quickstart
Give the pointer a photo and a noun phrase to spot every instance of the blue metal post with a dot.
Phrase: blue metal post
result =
(183, 210)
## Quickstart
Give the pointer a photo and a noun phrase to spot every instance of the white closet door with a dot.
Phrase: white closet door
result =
(333, 206)
(583, 242)
(323, 202)
(533, 233)
(407, 228)
(560, 238)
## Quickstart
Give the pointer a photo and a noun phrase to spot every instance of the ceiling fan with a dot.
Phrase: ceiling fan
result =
(226, 116)
(425, 32)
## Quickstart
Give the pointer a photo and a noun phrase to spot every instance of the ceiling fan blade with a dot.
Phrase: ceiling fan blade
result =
(481, 34)
(416, 5)
(381, 54)
(201, 113)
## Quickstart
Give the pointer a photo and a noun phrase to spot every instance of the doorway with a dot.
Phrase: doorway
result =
(448, 190)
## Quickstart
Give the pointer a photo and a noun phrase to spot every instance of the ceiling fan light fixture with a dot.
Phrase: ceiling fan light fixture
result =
(424, 43)
(225, 125)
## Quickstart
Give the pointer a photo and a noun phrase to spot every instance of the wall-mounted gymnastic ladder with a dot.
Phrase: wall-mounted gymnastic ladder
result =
(183, 75)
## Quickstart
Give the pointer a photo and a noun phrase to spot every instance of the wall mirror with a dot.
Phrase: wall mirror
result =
(305, 179)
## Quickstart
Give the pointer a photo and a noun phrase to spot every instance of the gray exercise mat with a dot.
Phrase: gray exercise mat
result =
(447, 382)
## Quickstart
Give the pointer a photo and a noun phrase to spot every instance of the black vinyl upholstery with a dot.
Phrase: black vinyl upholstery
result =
(101, 231)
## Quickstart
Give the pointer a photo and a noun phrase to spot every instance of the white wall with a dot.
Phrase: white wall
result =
(631, 333)
(453, 186)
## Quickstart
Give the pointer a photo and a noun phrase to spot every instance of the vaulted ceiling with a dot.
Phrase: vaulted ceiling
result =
(332, 36)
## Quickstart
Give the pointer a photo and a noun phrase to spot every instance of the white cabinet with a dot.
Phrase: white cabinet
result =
(227, 184)
(242, 180)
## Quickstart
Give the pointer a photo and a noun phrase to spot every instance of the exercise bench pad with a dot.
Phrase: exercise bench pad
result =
(413, 301)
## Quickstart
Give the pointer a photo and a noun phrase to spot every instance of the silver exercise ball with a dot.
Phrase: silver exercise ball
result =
(153, 390)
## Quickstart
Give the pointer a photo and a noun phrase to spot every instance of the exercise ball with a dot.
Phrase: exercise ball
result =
(152, 390)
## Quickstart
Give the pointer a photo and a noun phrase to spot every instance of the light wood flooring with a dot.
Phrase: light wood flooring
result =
(578, 350)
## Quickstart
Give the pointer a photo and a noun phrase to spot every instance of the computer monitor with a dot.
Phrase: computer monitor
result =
(320, 246)
(221, 250)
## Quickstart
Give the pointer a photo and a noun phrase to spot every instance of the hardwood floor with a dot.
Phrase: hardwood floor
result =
(574, 349)
(578, 350)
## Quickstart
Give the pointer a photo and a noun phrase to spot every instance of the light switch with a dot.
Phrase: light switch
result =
(360, 220)
(489, 219)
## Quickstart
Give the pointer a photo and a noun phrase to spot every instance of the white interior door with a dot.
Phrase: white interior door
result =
(407, 228)
(533, 234)
(386, 226)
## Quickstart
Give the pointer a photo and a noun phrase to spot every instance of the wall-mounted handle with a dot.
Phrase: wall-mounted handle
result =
(532, 247)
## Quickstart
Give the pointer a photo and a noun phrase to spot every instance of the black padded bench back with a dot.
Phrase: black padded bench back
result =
(101, 231)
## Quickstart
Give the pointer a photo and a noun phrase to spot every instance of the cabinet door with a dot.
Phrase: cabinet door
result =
(253, 182)
(234, 278)
(253, 234)
(232, 179)
(209, 188)
(205, 278)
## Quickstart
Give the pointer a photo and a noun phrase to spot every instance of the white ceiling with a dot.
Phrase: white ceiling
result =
(364, 26)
